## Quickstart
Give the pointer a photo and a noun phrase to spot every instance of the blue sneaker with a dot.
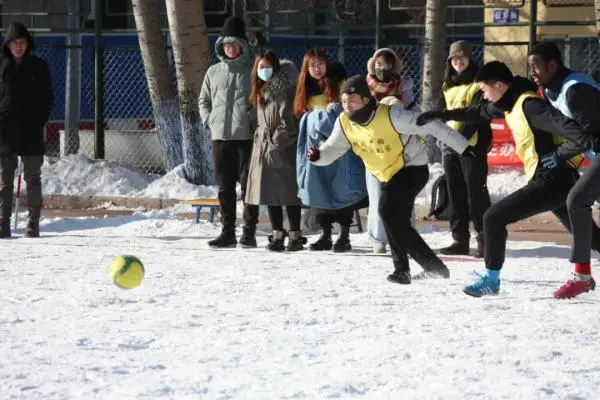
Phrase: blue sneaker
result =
(484, 286)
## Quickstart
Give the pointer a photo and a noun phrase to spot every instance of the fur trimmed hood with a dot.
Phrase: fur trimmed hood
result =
(283, 81)
(371, 62)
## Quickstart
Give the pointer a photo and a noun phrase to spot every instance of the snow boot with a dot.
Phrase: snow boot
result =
(248, 239)
(401, 277)
(296, 241)
(32, 229)
(575, 286)
(276, 241)
(479, 252)
(342, 244)
(487, 284)
(379, 248)
(225, 239)
(324, 242)
(456, 249)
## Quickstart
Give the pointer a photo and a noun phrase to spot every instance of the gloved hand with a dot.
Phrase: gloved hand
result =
(314, 154)
(429, 116)
(590, 155)
(549, 160)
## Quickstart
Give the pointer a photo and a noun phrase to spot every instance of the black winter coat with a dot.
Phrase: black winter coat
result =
(25, 98)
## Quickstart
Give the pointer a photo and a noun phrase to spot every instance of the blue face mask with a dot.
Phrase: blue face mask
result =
(265, 73)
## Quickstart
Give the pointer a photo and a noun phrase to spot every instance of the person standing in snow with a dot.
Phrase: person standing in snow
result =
(388, 141)
(332, 193)
(577, 96)
(466, 177)
(25, 102)
(272, 177)
(550, 161)
(384, 77)
(225, 110)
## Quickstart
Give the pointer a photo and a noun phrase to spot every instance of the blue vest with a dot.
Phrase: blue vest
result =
(561, 103)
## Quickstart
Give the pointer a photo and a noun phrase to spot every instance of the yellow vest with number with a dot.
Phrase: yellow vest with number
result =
(524, 137)
(377, 143)
(461, 96)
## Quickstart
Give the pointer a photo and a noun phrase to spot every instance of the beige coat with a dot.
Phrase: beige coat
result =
(272, 175)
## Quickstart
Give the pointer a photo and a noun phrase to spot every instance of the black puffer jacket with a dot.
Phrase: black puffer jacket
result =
(25, 97)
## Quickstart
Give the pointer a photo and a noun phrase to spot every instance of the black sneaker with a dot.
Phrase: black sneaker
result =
(456, 249)
(441, 272)
(401, 277)
(248, 239)
(225, 239)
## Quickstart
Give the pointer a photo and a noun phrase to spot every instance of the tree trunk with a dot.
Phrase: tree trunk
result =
(433, 65)
(192, 58)
(597, 9)
(163, 95)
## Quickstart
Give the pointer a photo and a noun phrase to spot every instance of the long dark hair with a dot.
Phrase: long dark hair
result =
(258, 86)
(329, 84)
(467, 76)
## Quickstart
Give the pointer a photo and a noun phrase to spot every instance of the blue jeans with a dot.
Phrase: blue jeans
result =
(375, 224)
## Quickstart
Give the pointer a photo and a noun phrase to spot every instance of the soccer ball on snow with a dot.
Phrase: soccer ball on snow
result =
(126, 271)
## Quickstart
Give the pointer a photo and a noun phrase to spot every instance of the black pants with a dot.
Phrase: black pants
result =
(294, 214)
(342, 216)
(232, 161)
(32, 174)
(545, 193)
(395, 208)
(466, 179)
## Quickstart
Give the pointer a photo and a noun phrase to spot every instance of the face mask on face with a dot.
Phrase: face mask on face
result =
(265, 73)
(384, 75)
(363, 115)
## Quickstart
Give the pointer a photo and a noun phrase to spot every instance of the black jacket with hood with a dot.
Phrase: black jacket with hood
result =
(25, 97)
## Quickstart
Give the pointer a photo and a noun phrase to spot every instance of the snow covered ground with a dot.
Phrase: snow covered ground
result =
(249, 324)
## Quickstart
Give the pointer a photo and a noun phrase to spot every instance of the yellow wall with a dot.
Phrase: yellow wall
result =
(515, 56)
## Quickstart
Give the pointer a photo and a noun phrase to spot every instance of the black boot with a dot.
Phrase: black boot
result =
(248, 239)
(276, 241)
(479, 253)
(225, 239)
(4, 227)
(324, 242)
(32, 229)
(401, 277)
(342, 244)
(296, 241)
(456, 249)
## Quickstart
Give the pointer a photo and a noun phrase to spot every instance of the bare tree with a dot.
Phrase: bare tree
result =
(189, 38)
(433, 64)
(163, 95)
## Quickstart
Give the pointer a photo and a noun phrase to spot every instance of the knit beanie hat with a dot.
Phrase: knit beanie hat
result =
(460, 48)
(234, 28)
(356, 85)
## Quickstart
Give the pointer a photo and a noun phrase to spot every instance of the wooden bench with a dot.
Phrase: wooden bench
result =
(198, 204)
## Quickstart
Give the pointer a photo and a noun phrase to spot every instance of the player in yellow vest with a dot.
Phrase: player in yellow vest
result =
(550, 161)
(388, 141)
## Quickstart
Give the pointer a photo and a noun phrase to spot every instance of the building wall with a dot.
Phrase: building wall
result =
(515, 56)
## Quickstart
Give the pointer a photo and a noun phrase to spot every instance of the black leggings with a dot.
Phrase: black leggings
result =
(293, 214)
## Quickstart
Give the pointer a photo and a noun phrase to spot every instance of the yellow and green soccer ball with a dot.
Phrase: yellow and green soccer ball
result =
(126, 271)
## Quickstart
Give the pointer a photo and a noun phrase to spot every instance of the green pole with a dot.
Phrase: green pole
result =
(377, 24)
(98, 83)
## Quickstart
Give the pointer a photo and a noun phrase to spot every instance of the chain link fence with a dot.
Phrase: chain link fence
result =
(129, 128)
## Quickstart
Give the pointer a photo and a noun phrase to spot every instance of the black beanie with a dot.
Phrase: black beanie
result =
(356, 85)
(234, 27)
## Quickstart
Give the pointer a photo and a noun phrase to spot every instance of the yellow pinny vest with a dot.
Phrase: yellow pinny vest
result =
(461, 96)
(377, 143)
(524, 138)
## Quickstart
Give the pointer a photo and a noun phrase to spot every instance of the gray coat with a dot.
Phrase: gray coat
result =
(224, 99)
(272, 175)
